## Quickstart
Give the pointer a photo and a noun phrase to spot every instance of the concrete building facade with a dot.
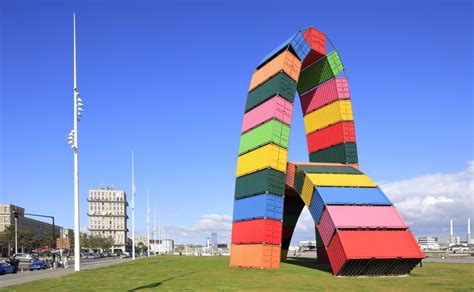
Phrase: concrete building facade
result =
(108, 215)
(40, 230)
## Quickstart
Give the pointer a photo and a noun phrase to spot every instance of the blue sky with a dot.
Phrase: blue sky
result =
(169, 80)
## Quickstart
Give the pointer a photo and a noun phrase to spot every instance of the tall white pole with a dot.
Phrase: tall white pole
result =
(133, 208)
(451, 231)
(154, 231)
(148, 221)
(77, 248)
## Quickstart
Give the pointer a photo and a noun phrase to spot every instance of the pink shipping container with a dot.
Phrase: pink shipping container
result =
(334, 89)
(275, 108)
(351, 217)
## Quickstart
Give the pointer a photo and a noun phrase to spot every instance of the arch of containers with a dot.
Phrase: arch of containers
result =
(358, 230)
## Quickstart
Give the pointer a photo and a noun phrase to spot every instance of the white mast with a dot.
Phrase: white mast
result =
(77, 248)
(154, 230)
(133, 208)
(148, 220)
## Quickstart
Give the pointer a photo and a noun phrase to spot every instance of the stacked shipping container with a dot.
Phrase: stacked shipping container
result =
(358, 230)
(261, 167)
(347, 206)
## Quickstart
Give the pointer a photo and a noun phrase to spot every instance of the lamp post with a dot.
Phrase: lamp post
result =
(73, 142)
(133, 207)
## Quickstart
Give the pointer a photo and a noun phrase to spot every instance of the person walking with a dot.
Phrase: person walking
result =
(65, 263)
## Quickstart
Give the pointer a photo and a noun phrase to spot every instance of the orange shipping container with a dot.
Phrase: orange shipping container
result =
(263, 256)
(286, 62)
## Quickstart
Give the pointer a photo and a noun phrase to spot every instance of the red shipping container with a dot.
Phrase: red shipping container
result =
(334, 89)
(257, 231)
(339, 133)
(290, 174)
(363, 245)
(352, 217)
(317, 43)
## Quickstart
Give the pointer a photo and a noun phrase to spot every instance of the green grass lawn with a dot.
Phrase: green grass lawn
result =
(209, 273)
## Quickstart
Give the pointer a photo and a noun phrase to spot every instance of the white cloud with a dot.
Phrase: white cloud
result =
(197, 233)
(427, 202)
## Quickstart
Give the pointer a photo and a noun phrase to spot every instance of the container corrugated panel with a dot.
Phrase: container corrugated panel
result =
(281, 84)
(268, 156)
(273, 131)
(358, 217)
(257, 231)
(290, 174)
(343, 153)
(256, 207)
(341, 180)
(319, 72)
(297, 43)
(262, 256)
(352, 196)
(263, 181)
(307, 192)
(290, 220)
(326, 227)
(342, 132)
(334, 89)
(299, 180)
(285, 61)
(380, 244)
(345, 196)
(275, 108)
(322, 255)
(315, 168)
(317, 43)
(338, 111)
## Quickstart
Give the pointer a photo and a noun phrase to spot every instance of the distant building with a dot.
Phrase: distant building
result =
(214, 240)
(162, 246)
(208, 242)
(40, 230)
(428, 243)
(222, 245)
(108, 215)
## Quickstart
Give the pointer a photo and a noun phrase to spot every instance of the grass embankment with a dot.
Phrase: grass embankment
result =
(208, 273)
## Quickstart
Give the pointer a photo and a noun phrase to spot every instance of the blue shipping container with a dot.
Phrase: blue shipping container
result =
(261, 206)
(345, 196)
(297, 42)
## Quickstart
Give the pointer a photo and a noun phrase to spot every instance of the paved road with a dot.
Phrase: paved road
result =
(13, 279)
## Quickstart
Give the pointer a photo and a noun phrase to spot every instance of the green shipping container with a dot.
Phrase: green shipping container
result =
(272, 131)
(328, 169)
(280, 84)
(260, 182)
(326, 68)
(342, 153)
(299, 180)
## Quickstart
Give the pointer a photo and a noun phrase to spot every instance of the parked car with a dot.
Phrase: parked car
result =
(91, 256)
(7, 269)
(125, 255)
(24, 257)
(38, 265)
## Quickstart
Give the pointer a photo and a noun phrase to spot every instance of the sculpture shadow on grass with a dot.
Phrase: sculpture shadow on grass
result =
(157, 284)
(308, 263)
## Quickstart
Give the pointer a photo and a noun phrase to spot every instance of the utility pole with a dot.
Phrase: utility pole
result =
(133, 208)
(148, 220)
(154, 231)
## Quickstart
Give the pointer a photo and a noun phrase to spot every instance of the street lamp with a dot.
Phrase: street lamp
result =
(72, 140)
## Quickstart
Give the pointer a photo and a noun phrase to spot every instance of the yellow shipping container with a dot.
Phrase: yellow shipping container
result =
(307, 192)
(332, 113)
(286, 62)
(340, 180)
(267, 156)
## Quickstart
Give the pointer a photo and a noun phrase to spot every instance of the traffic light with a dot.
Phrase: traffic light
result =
(15, 213)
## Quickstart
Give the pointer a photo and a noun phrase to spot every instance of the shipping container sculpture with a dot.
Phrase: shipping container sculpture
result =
(358, 230)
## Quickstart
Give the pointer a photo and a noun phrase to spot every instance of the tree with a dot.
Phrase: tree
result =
(70, 235)
(141, 247)
(106, 242)
(7, 237)
(26, 240)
